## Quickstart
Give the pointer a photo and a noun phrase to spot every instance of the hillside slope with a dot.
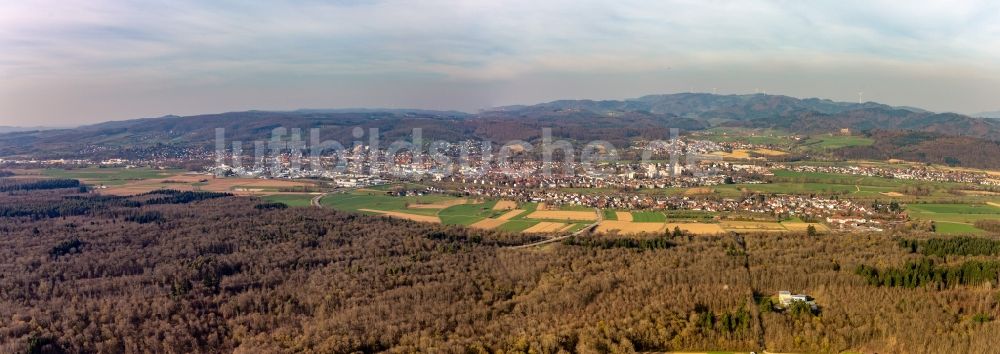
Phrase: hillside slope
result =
(619, 122)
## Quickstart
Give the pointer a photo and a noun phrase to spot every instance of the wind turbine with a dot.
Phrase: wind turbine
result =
(860, 95)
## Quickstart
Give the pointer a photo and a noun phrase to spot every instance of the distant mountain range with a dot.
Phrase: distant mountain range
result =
(703, 105)
(993, 114)
(617, 121)
(775, 111)
(10, 129)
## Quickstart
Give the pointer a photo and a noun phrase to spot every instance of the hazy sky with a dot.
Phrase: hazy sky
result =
(68, 62)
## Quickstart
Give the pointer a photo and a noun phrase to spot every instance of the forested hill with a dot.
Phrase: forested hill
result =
(620, 122)
(199, 131)
(927, 147)
(200, 272)
(703, 105)
(806, 116)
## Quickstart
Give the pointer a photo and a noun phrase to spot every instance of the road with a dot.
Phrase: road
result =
(600, 217)
(315, 201)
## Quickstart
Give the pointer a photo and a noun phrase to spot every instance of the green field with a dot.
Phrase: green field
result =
(954, 218)
(462, 214)
(648, 216)
(292, 200)
(110, 176)
(468, 214)
(829, 142)
(975, 209)
(752, 136)
(390, 186)
(944, 227)
(528, 209)
(689, 215)
(733, 190)
(573, 207)
(464, 220)
(960, 213)
(790, 182)
(610, 214)
(362, 200)
(785, 181)
(845, 179)
(516, 225)
(650, 191)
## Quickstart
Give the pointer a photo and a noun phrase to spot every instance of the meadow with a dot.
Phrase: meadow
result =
(468, 214)
(952, 228)
(358, 200)
(954, 218)
(830, 142)
(292, 200)
(456, 211)
(648, 216)
(754, 136)
(109, 176)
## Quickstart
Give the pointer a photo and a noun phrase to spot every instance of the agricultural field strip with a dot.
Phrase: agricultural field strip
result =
(654, 221)
(546, 226)
(955, 218)
(505, 205)
(414, 217)
(563, 215)
(627, 227)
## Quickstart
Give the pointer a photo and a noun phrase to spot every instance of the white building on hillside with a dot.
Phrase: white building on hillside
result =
(786, 299)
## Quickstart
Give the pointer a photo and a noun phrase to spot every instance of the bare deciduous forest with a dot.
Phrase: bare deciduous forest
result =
(194, 272)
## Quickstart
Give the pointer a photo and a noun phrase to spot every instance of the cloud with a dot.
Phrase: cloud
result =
(199, 46)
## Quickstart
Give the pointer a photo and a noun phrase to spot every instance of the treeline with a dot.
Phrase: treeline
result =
(144, 217)
(96, 205)
(170, 196)
(927, 147)
(729, 321)
(40, 184)
(689, 214)
(66, 247)
(959, 246)
(42, 211)
(454, 238)
(619, 242)
(988, 225)
(845, 180)
(223, 276)
(919, 190)
(43, 204)
(270, 206)
(926, 272)
(6, 173)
